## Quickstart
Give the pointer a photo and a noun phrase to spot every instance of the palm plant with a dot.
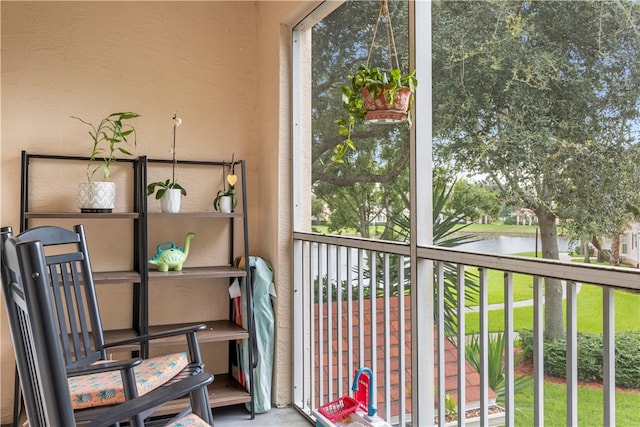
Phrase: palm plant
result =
(496, 374)
(446, 225)
(446, 228)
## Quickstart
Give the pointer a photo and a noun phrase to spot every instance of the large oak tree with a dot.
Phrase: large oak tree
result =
(519, 87)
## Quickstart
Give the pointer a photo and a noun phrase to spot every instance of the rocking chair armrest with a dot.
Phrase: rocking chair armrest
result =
(164, 334)
(115, 365)
(152, 399)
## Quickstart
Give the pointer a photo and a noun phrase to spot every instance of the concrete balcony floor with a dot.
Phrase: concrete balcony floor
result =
(237, 416)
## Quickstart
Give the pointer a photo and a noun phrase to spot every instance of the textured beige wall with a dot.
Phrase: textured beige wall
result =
(224, 66)
(275, 173)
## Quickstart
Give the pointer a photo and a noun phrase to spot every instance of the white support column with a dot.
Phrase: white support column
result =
(422, 310)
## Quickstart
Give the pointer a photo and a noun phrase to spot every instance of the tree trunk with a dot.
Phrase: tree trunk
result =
(553, 318)
(615, 249)
(601, 251)
(364, 224)
(585, 250)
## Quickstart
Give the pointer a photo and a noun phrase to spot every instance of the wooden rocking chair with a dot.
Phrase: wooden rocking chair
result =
(61, 354)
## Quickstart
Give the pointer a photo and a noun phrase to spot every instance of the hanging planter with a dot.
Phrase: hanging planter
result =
(226, 200)
(376, 95)
(387, 107)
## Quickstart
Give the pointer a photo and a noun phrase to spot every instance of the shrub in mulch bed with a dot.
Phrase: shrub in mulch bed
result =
(590, 356)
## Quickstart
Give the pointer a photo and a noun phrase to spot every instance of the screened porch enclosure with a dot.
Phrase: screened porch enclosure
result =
(359, 301)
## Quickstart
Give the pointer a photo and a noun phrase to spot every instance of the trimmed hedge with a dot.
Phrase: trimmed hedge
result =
(590, 356)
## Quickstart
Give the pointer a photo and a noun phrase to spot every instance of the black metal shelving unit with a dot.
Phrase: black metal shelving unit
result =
(225, 390)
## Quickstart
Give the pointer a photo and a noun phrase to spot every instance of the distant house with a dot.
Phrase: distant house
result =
(629, 247)
(525, 216)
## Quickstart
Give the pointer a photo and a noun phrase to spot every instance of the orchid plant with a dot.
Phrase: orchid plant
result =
(163, 186)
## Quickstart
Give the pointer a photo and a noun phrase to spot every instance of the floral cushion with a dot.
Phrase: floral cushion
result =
(191, 420)
(105, 388)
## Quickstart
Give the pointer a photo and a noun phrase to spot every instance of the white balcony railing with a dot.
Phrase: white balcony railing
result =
(344, 320)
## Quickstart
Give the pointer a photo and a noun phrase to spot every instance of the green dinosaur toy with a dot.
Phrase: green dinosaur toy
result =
(171, 257)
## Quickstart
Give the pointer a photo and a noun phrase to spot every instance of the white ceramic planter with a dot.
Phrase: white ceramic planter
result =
(170, 201)
(96, 197)
(225, 204)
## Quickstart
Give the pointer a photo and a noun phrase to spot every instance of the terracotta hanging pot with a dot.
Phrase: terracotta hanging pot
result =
(379, 110)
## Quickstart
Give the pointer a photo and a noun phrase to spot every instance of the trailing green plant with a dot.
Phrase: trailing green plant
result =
(107, 139)
(375, 80)
(590, 363)
(226, 192)
(495, 357)
(231, 192)
(163, 186)
(450, 405)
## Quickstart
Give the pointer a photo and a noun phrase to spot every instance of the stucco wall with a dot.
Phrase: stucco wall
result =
(224, 66)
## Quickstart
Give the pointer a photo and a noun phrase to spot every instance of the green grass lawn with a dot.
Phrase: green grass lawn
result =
(589, 305)
(589, 313)
(499, 228)
(522, 286)
(374, 230)
(589, 406)
(495, 228)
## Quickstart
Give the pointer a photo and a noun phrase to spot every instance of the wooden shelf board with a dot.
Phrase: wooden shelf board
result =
(224, 391)
(100, 277)
(217, 330)
(222, 271)
(113, 215)
(196, 214)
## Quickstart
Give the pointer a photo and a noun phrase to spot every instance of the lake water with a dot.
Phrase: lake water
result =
(506, 245)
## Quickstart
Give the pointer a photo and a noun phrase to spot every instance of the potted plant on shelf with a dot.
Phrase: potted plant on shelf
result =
(376, 95)
(169, 192)
(107, 139)
(226, 199)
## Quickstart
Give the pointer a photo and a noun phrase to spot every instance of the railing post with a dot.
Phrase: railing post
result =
(484, 346)
(508, 356)
(441, 358)
(538, 353)
(572, 353)
(462, 367)
(609, 356)
(299, 309)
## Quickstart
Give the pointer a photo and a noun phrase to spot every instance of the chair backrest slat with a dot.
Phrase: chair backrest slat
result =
(18, 324)
(60, 304)
(34, 333)
(38, 412)
(83, 335)
(73, 291)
